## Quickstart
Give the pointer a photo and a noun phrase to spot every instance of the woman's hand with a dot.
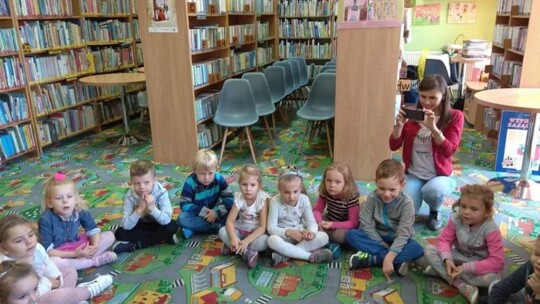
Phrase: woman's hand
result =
(400, 118)
(429, 120)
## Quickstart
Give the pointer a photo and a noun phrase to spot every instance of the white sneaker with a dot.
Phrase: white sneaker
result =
(98, 285)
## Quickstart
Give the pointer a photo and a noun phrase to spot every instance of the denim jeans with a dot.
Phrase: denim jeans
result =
(198, 224)
(433, 191)
(359, 240)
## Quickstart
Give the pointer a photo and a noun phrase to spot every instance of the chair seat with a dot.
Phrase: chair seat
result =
(235, 121)
(316, 114)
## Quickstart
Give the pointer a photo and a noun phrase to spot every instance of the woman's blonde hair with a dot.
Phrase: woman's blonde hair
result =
(204, 160)
(60, 179)
(350, 189)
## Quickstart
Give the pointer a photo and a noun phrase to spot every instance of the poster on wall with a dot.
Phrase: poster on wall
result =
(162, 16)
(462, 13)
(427, 14)
(511, 143)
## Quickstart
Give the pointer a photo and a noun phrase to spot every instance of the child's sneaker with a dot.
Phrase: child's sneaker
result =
(336, 250)
(321, 255)
(98, 285)
(188, 233)
(121, 247)
(104, 258)
(359, 260)
(251, 257)
(174, 240)
(470, 292)
(403, 269)
(225, 250)
(278, 258)
(430, 271)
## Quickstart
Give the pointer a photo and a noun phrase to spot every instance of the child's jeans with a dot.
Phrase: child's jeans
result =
(433, 191)
(359, 240)
(197, 224)
(147, 234)
(259, 244)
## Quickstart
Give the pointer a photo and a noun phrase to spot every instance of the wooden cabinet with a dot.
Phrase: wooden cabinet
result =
(187, 66)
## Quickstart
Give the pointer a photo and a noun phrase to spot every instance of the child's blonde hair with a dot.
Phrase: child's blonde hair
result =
(250, 170)
(10, 273)
(289, 174)
(350, 189)
(204, 160)
(390, 168)
(60, 179)
(141, 167)
(479, 192)
(10, 221)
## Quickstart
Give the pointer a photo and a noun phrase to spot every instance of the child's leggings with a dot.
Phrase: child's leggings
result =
(482, 280)
(259, 244)
(302, 251)
(68, 293)
(106, 239)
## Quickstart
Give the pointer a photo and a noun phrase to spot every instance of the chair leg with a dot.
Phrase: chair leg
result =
(251, 147)
(328, 138)
(223, 144)
(269, 131)
(303, 138)
(315, 127)
(274, 125)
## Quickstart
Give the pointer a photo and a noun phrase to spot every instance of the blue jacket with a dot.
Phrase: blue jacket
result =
(216, 196)
(55, 231)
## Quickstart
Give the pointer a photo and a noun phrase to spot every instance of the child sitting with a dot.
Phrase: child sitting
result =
(206, 198)
(245, 230)
(147, 211)
(386, 225)
(469, 252)
(64, 213)
(18, 283)
(293, 230)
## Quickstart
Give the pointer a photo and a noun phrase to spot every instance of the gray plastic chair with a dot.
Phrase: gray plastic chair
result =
(142, 102)
(275, 76)
(303, 70)
(327, 67)
(290, 85)
(320, 107)
(236, 109)
(263, 98)
(331, 71)
(296, 73)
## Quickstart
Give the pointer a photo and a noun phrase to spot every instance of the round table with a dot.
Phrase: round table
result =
(521, 100)
(121, 80)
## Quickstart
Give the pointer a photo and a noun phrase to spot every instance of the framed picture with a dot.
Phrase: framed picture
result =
(427, 14)
(464, 13)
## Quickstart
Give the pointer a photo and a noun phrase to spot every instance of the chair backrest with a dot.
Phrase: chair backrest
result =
(290, 85)
(142, 99)
(303, 70)
(275, 76)
(442, 57)
(261, 92)
(236, 106)
(330, 63)
(322, 95)
(332, 71)
(296, 73)
(436, 66)
(326, 68)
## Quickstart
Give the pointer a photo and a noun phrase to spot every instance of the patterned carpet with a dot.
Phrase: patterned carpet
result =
(194, 272)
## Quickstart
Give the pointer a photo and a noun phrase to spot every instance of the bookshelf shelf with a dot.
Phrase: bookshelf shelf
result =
(14, 123)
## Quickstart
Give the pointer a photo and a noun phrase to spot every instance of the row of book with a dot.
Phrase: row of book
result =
(265, 54)
(68, 63)
(240, 34)
(208, 134)
(306, 8)
(111, 58)
(4, 9)
(61, 124)
(201, 71)
(112, 110)
(206, 105)
(136, 31)
(139, 53)
(506, 67)
(302, 28)
(51, 97)
(505, 6)
(263, 30)
(43, 8)
(243, 61)
(15, 140)
(108, 8)
(518, 35)
(310, 49)
(13, 107)
(206, 37)
(8, 40)
(50, 34)
(202, 6)
(11, 73)
(238, 6)
(109, 30)
(491, 119)
(264, 6)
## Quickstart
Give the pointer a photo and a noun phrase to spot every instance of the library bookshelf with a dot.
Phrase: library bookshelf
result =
(186, 67)
(515, 59)
(45, 46)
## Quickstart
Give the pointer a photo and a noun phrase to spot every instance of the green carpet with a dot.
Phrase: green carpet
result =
(194, 272)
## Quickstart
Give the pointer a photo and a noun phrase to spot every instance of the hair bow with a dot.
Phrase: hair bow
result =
(59, 176)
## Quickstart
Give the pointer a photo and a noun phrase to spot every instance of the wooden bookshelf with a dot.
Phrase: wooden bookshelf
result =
(172, 91)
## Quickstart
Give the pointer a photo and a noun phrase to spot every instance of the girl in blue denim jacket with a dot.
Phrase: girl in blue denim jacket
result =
(64, 213)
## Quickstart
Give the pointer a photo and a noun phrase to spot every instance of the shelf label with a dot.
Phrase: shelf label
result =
(211, 8)
(404, 85)
(201, 16)
(192, 7)
(26, 48)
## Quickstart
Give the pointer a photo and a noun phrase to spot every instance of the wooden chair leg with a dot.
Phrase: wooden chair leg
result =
(251, 147)
(269, 131)
(303, 138)
(241, 140)
(314, 128)
(274, 124)
(223, 144)
(328, 138)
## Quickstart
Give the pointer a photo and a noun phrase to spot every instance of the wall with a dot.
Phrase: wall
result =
(434, 37)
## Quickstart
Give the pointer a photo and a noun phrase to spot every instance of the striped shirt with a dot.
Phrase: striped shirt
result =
(344, 214)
